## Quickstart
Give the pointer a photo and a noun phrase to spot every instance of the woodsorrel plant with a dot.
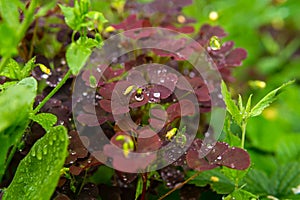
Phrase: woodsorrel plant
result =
(59, 162)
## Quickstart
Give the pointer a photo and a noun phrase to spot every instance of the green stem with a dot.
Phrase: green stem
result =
(59, 85)
(244, 125)
(29, 15)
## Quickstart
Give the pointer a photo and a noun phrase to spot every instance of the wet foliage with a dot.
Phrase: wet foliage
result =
(40, 63)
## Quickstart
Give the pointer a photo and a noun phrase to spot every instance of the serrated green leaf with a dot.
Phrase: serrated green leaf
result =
(241, 195)
(11, 70)
(38, 173)
(257, 182)
(279, 185)
(230, 104)
(286, 177)
(28, 67)
(288, 148)
(217, 180)
(234, 175)
(77, 56)
(46, 120)
(248, 105)
(240, 103)
(267, 100)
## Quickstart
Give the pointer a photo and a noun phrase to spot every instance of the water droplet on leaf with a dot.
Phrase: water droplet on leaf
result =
(139, 97)
(215, 43)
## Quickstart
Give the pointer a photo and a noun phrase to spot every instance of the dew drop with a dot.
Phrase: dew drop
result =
(39, 155)
(84, 94)
(62, 138)
(139, 97)
(73, 153)
(44, 76)
(45, 151)
(33, 152)
(192, 74)
(156, 95)
(219, 157)
(215, 43)
(98, 97)
(232, 165)
(180, 55)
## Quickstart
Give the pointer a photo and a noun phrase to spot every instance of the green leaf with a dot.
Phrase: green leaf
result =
(15, 105)
(286, 177)
(11, 70)
(234, 175)
(280, 185)
(6, 85)
(26, 70)
(38, 173)
(240, 103)
(288, 148)
(102, 175)
(139, 188)
(96, 19)
(15, 101)
(45, 8)
(242, 195)
(8, 46)
(10, 13)
(257, 182)
(46, 120)
(230, 138)
(267, 100)
(248, 105)
(77, 56)
(230, 104)
(217, 180)
(70, 17)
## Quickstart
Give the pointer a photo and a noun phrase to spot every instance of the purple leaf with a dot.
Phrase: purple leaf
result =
(235, 57)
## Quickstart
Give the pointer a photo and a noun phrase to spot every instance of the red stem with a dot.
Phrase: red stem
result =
(144, 177)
